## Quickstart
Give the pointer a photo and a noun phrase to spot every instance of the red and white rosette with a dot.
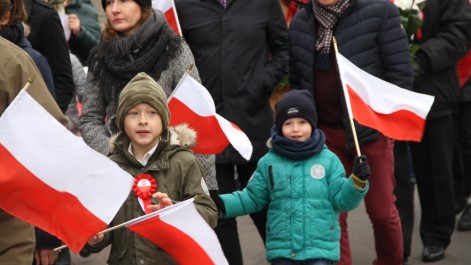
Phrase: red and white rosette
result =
(144, 186)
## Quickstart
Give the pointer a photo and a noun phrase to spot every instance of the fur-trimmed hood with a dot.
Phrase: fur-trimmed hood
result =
(181, 135)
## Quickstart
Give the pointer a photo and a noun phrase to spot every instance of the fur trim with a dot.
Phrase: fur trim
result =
(112, 142)
(182, 135)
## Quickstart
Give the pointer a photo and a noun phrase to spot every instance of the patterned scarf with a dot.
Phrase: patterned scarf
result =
(327, 16)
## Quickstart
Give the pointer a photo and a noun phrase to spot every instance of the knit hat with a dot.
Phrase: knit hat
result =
(296, 104)
(142, 3)
(142, 89)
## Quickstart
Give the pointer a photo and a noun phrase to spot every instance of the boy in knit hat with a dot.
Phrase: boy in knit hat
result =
(304, 186)
(165, 171)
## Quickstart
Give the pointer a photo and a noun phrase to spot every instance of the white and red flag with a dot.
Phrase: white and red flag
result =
(52, 179)
(395, 112)
(168, 8)
(192, 104)
(182, 232)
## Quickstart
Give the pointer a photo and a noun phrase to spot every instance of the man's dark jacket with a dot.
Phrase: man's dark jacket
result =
(368, 34)
(446, 38)
(241, 53)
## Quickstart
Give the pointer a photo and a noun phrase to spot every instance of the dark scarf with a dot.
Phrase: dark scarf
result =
(14, 32)
(327, 17)
(296, 150)
(149, 50)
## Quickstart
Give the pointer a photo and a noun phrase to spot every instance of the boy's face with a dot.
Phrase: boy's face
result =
(298, 129)
(143, 126)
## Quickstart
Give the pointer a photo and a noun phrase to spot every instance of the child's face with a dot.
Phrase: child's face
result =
(143, 126)
(297, 129)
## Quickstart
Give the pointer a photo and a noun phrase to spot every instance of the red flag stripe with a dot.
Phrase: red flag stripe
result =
(176, 243)
(206, 128)
(50, 207)
(391, 124)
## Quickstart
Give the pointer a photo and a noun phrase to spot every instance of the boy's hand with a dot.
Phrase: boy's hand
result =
(164, 201)
(361, 169)
(95, 239)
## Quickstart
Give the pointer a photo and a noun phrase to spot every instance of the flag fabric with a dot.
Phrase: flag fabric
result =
(52, 179)
(182, 233)
(395, 112)
(168, 8)
(192, 104)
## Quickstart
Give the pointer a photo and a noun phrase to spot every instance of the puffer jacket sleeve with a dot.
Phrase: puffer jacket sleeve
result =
(95, 132)
(251, 199)
(394, 49)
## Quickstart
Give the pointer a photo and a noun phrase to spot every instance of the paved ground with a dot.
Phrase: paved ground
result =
(362, 244)
(361, 236)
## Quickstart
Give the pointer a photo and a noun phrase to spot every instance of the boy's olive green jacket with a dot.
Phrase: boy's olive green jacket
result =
(178, 173)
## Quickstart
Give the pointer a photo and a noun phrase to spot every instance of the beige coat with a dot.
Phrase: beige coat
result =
(17, 240)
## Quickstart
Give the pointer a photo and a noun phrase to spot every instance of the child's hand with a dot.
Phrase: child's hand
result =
(164, 201)
(361, 169)
(95, 239)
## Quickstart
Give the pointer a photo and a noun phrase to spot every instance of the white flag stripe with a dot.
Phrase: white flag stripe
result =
(42, 153)
(194, 95)
(393, 97)
(237, 138)
(162, 5)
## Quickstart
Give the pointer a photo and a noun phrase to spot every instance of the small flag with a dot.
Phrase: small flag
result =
(168, 8)
(182, 233)
(395, 112)
(192, 104)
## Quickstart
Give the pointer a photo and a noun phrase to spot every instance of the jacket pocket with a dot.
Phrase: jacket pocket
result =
(116, 256)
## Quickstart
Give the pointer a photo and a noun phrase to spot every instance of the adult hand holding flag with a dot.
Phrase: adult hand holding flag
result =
(182, 232)
(192, 104)
(395, 112)
(52, 179)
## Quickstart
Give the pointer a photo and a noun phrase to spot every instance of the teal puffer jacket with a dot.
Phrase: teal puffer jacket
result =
(303, 199)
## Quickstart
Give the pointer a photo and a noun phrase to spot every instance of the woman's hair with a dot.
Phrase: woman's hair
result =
(109, 32)
(16, 8)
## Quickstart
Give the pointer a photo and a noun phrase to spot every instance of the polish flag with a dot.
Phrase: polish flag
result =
(182, 233)
(192, 104)
(52, 179)
(396, 112)
(168, 8)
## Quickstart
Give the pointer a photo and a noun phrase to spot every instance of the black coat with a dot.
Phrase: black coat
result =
(241, 53)
(369, 34)
(446, 38)
(47, 37)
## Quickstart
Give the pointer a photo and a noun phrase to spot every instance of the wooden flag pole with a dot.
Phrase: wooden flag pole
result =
(347, 101)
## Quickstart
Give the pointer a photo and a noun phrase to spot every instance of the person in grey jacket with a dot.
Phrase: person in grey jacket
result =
(147, 44)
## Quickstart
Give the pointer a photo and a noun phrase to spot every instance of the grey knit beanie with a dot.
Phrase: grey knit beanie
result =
(142, 89)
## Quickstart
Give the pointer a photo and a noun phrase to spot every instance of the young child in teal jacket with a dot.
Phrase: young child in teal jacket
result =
(304, 186)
